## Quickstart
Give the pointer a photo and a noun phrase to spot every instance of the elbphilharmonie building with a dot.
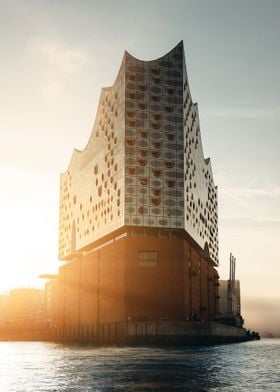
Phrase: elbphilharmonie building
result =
(138, 225)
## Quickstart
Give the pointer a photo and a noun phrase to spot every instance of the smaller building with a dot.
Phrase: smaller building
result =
(51, 303)
(4, 302)
(229, 297)
(229, 302)
(25, 308)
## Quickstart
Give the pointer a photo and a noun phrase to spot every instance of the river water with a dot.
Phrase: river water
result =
(36, 367)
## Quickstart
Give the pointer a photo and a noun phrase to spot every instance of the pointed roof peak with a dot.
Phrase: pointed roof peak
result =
(180, 43)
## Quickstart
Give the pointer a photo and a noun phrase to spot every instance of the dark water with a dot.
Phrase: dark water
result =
(35, 367)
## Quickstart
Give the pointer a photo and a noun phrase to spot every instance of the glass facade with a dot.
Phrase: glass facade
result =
(144, 164)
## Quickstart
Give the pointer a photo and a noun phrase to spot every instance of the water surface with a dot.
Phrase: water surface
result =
(36, 367)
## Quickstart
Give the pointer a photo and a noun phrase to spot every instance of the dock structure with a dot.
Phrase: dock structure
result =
(146, 333)
(154, 333)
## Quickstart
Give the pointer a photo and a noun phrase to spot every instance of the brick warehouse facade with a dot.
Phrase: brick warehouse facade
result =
(138, 206)
(139, 275)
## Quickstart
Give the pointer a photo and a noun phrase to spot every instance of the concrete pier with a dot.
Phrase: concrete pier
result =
(153, 333)
(148, 333)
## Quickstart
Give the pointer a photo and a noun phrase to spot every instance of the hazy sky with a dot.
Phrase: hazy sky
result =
(55, 57)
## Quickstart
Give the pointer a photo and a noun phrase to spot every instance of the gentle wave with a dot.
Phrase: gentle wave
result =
(37, 367)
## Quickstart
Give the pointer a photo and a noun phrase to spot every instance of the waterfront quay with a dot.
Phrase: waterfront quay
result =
(168, 333)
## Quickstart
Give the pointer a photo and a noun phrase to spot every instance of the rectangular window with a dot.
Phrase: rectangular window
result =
(147, 263)
(147, 258)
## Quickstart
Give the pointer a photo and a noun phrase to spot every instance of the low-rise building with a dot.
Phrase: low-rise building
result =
(26, 308)
(51, 303)
(229, 297)
(4, 301)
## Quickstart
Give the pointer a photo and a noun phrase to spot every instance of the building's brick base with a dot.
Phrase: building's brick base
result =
(116, 281)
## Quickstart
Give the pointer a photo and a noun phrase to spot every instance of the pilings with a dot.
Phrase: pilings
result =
(152, 333)
(136, 333)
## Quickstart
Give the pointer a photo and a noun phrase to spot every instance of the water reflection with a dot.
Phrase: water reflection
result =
(53, 367)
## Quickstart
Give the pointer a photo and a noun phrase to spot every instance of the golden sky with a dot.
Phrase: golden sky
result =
(56, 56)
